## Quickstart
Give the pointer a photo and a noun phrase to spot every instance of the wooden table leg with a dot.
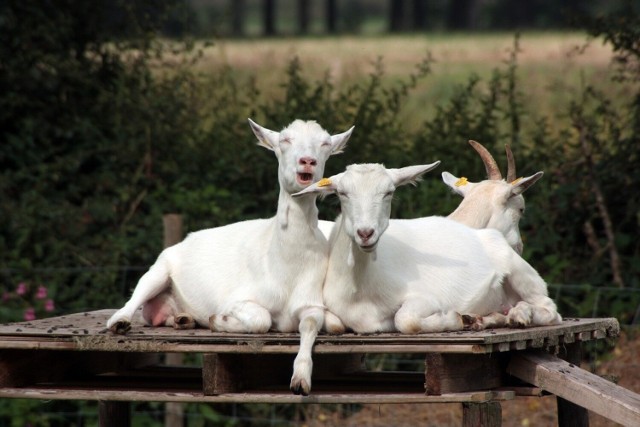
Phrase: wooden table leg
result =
(487, 414)
(570, 414)
(114, 414)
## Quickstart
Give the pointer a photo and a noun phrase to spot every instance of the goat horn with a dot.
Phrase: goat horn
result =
(511, 165)
(493, 172)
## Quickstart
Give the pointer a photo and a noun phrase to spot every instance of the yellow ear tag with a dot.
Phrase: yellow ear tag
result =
(461, 182)
(515, 181)
(323, 182)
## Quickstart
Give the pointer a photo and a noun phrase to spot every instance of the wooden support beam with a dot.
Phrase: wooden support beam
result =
(173, 234)
(576, 385)
(20, 368)
(570, 414)
(232, 373)
(220, 374)
(487, 414)
(453, 373)
(114, 414)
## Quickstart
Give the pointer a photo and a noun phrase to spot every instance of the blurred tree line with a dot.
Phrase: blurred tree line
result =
(103, 130)
(207, 18)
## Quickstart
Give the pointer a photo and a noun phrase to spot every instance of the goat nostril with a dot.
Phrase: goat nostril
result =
(308, 161)
(365, 233)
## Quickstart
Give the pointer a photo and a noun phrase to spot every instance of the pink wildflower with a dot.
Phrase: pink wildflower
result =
(42, 292)
(21, 289)
(49, 306)
(29, 314)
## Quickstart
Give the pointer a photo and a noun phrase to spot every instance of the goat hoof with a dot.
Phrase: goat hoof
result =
(515, 324)
(467, 320)
(121, 327)
(478, 326)
(471, 323)
(184, 321)
(300, 388)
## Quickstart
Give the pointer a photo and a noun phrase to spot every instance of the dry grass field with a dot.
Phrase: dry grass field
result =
(552, 67)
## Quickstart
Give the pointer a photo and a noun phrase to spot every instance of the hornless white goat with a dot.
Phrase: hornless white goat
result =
(421, 273)
(254, 275)
(494, 202)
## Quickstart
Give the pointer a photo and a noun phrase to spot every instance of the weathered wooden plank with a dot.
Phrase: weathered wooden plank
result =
(114, 414)
(576, 385)
(231, 373)
(503, 346)
(86, 327)
(22, 367)
(153, 346)
(115, 394)
(487, 414)
(524, 391)
(570, 414)
(452, 373)
(519, 345)
(221, 373)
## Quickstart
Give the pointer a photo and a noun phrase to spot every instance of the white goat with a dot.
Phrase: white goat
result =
(253, 275)
(421, 273)
(494, 202)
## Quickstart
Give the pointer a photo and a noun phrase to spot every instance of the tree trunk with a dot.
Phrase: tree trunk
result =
(303, 16)
(237, 17)
(395, 15)
(269, 17)
(331, 16)
(461, 14)
(419, 17)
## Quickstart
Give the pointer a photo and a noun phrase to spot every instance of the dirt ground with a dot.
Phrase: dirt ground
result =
(621, 363)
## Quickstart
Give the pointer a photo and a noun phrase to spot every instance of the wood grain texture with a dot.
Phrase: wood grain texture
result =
(118, 394)
(87, 331)
(481, 414)
(576, 385)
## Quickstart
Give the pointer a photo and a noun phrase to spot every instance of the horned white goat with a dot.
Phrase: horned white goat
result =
(418, 275)
(253, 275)
(494, 202)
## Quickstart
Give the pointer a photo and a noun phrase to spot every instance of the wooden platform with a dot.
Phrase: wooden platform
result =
(87, 332)
(76, 357)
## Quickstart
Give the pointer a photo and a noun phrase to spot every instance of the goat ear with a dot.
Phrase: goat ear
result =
(339, 141)
(519, 186)
(460, 186)
(410, 174)
(323, 187)
(266, 138)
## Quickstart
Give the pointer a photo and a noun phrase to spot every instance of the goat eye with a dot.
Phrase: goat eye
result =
(342, 194)
(388, 194)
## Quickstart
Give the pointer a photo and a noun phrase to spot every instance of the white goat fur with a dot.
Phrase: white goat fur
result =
(421, 273)
(494, 202)
(255, 275)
